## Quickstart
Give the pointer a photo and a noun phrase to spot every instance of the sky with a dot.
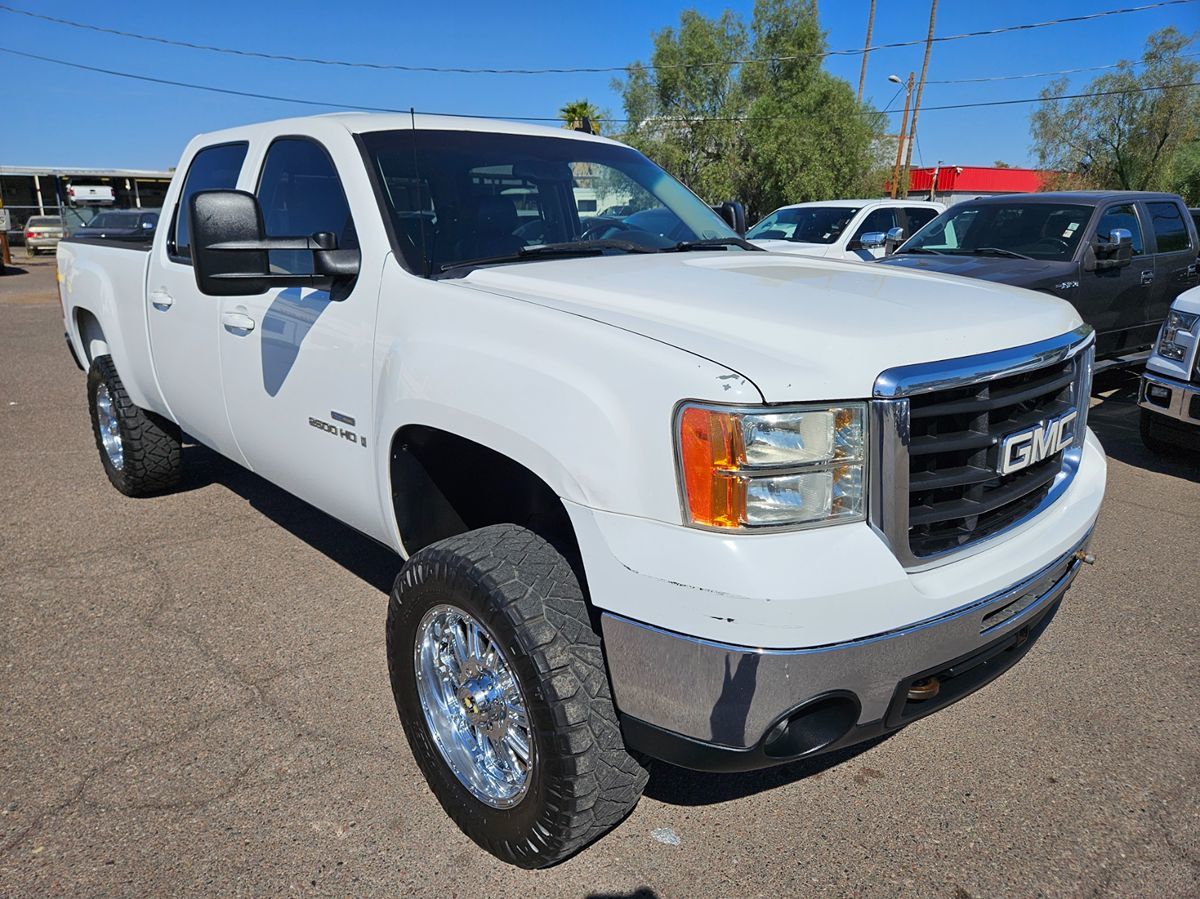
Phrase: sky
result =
(56, 116)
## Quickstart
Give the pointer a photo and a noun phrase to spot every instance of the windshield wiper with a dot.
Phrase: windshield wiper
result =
(998, 251)
(712, 243)
(563, 250)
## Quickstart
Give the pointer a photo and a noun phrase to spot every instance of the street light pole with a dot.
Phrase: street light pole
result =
(908, 89)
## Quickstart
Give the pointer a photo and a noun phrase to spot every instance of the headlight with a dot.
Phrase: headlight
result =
(742, 468)
(1176, 322)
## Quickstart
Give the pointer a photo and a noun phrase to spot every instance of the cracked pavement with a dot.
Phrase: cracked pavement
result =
(194, 700)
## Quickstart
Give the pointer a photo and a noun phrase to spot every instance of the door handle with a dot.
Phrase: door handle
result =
(1147, 277)
(237, 321)
(161, 300)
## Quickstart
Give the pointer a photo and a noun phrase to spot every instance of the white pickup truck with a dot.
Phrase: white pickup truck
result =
(658, 493)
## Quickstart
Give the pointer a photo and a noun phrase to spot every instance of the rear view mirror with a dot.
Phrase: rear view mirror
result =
(873, 240)
(230, 250)
(895, 237)
(1115, 250)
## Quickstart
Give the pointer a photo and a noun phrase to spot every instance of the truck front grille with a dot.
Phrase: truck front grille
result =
(955, 493)
(939, 432)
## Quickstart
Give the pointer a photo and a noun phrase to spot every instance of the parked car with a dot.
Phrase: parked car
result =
(42, 232)
(135, 225)
(1170, 390)
(1120, 257)
(659, 494)
(842, 229)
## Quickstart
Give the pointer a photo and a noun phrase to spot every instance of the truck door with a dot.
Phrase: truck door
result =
(183, 322)
(297, 364)
(1174, 260)
(1115, 301)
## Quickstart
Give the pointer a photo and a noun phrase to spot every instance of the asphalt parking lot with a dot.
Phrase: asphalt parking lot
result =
(194, 701)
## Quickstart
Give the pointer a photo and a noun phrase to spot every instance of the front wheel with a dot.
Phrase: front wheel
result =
(501, 687)
(1150, 429)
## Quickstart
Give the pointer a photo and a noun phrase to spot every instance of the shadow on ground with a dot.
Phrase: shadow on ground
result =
(371, 562)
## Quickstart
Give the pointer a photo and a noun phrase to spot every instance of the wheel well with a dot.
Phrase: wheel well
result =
(91, 335)
(444, 485)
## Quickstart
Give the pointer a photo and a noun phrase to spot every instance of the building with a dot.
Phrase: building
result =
(954, 183)
(44, 190)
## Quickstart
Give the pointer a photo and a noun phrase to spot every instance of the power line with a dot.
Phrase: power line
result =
(357, 108)
(982, 78)
(313, 60)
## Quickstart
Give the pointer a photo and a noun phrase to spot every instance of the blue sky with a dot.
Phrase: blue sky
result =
(56, 116)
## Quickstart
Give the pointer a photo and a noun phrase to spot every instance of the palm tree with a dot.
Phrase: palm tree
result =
(574, 114)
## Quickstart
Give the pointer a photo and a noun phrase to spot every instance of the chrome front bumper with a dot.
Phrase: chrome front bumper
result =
(1179, 402)
(719, 707)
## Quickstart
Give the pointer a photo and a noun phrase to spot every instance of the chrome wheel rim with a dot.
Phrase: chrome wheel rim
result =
(110, 428)
(474, 707)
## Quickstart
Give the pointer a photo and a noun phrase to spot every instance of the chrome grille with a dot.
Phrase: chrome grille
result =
(939, 429)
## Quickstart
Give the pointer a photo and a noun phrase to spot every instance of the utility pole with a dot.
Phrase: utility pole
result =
(912, 138)
(908, 91)
(862, 76)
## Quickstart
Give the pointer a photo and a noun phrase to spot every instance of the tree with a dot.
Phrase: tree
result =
(1138, 130)
(747, 111)
(573, 115)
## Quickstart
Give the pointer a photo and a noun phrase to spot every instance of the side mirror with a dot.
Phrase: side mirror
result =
(230, 250)
(893, 239)
(734, 214)
(872, 240)
(1116, 251)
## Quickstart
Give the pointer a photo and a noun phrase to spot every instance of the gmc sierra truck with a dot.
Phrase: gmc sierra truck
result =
(657, 493)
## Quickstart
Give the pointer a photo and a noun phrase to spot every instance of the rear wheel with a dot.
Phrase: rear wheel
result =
(502, 690)
(142, 452)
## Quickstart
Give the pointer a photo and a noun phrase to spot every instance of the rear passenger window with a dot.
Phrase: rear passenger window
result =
(918, 217)
(1169, 228)
(1123, 216)
(300, 194)
(213, 168)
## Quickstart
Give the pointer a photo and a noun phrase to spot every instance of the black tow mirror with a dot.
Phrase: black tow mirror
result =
(734, 214)
(230, 250)
(1115, 250)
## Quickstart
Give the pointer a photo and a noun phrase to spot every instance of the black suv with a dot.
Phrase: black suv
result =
(1119, 257)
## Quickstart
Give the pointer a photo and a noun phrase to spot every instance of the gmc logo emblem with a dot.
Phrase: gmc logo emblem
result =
(1024, 448)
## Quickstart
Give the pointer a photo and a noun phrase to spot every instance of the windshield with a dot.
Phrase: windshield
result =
(461, 196)
(1033, 230)
(804, 224)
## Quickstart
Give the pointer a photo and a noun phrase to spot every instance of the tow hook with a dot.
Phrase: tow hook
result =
(1085, 557)
(925, 688)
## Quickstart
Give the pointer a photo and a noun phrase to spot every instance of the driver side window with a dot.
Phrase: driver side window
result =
(881, 219)
(1123, 216)
(300, 194)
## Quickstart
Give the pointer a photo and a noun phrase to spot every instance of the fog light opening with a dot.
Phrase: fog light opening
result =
(815, 725)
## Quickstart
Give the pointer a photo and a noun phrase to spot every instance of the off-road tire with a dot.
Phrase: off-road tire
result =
(153, 447)
(584, 782)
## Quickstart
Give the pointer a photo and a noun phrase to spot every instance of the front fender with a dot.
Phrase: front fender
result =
(585, 406)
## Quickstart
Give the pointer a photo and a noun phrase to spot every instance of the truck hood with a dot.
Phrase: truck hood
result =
(794, 247)
(1021, 272)
(798, 328)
